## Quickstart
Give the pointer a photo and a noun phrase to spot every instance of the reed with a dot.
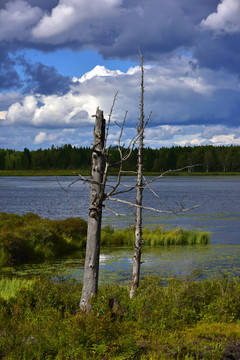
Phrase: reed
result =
(155, 237)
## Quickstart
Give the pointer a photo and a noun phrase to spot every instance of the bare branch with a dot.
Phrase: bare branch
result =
(120, 191)
(67, 193)
(109, 120)
(169, 171)
(153, 209)
(154, 193)
(81, 178)
(112, 211)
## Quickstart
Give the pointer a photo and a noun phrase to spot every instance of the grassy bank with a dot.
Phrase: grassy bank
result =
(183, 319)
(86, 172)
(43, 172)
(31, 238)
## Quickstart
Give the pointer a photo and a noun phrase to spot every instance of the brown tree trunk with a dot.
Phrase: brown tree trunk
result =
(138, 224)
(91, 269)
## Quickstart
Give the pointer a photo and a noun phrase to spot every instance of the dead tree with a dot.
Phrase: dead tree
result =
(98, 183)
(138, 222)
(140, 187)
(99, 194)
(90, 283)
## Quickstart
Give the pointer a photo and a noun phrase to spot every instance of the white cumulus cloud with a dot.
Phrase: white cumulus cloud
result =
(178, 97)
(70, 16)
(226, 18)
(43, 137)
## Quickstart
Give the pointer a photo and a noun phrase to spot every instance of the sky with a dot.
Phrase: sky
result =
(61, 59)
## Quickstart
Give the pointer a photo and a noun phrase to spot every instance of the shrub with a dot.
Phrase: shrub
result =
(180, 319)
(31, 238)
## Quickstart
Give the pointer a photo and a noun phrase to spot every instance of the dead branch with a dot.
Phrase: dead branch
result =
(154, 192)
(109, 119)
(169, 171)
(67, 193)
(112, 211)
(153, 209)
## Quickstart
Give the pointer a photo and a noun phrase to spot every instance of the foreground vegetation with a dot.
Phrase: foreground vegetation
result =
(31, 238)
(218, 159)
(180, 319)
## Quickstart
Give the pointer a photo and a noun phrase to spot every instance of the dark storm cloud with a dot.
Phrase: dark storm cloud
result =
(9, 78)
(44, 4)
(219, 52)
(116, 28)
(44, 79)
(193, 87)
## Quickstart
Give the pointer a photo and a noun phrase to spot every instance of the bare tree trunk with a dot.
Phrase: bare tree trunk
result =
(138, 224)
(91, 269)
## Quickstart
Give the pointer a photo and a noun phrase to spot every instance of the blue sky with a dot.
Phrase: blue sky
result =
(60, 59)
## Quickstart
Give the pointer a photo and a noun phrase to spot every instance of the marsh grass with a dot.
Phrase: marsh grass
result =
(9, 287)
(30, 238)
(155, 237)
(181, 319)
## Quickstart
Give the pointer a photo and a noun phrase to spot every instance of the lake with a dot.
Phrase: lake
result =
(218, 212)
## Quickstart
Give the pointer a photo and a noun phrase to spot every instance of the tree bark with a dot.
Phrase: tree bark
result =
(91, 269)
(138, 223)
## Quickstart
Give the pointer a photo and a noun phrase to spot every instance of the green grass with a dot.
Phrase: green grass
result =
(9, 287)
(181, 319)
(155, 237)
(86, 172)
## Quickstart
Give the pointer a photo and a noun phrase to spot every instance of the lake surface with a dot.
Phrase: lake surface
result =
(218, 212)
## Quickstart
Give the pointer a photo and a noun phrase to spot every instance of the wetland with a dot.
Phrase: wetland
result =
(218, 213)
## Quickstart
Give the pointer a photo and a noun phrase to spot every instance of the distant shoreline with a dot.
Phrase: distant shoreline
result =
(87, 172)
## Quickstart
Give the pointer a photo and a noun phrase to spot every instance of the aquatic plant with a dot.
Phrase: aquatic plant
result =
(155, 237)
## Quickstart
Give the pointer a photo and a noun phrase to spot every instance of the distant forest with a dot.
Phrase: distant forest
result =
(211, 158)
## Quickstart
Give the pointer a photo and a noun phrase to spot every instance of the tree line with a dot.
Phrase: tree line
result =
(211, 158)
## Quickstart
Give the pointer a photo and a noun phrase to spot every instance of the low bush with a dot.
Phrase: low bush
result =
(180, 319)
(31, 238)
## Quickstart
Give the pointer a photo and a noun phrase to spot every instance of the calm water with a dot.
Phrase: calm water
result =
(218, 212)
